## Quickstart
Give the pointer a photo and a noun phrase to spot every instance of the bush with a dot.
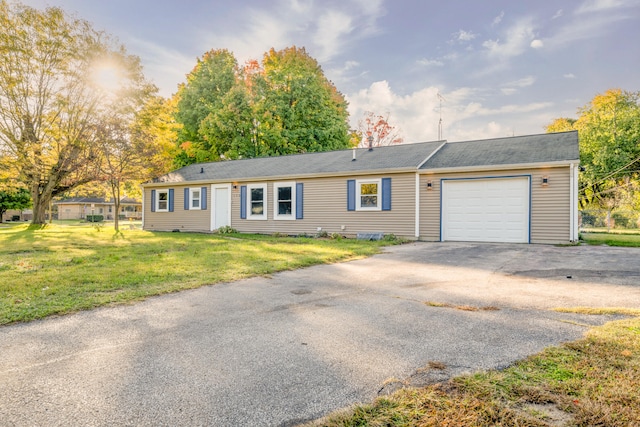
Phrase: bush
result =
(336, 236)
(95, 218)
(227, 229)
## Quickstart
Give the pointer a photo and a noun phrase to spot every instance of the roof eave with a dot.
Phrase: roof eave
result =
(411, 169)
(513, 166)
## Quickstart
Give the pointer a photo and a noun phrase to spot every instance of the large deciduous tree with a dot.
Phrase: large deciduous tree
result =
(282, 105)
(609, 132)
(59, 79)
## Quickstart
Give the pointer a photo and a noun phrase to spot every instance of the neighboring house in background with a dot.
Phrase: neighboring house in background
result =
(516, 189)
(17, 215)
(80, 207)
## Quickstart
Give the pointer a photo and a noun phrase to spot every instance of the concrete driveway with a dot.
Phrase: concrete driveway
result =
(292, 347)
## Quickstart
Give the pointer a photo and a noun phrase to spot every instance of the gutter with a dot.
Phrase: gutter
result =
(481, 168)
(411, 169)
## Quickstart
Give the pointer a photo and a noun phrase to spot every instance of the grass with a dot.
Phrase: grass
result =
(63, 268)
(611, 239)
(591, 382)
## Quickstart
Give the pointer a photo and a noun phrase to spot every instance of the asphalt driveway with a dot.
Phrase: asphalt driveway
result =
(294, 346)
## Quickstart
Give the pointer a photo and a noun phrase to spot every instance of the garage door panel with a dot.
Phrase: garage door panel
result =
(488, 210)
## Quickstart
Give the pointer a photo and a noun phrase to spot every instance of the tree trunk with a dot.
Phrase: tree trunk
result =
(41, 201)
(115, 192)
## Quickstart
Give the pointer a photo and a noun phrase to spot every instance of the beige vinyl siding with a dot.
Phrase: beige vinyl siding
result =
(179, 219)
(550, 205)
(325, 206)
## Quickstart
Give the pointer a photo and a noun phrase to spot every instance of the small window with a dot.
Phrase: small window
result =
(257, 201)
(368, 195)
(162, 204)
(285, 200)
(194, 195)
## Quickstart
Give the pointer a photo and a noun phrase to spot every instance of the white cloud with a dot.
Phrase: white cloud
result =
(165, 67)
(464, 36)
(537, 44)
(463, 114)
(523, 82)
(332, 27)
(498, 19)
(430, 62)
(569, 76)
(516, 40)
(590, 6)
(508, 90)
(558, 14)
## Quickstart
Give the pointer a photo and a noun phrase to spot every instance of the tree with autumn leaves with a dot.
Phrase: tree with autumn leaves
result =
(281, 105)
(609, 135)
(69, 100)
(377, 129)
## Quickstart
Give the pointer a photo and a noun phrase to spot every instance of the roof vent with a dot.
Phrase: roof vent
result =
(370, 139)
(354, 155)
(201, 170)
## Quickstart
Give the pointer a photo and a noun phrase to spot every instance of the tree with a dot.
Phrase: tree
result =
(17, 199)
(210, 80)
(300, 110)
(58, 79)
(133, 146)
(377, 128)
(609, 130)
(280, 106)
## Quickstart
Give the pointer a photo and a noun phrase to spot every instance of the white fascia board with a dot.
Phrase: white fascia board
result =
(482, 168)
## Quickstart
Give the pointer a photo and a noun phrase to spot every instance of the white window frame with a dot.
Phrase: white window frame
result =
(276, 201)
(158, 192)
(250, 214)
(359, 184)
(191, 198)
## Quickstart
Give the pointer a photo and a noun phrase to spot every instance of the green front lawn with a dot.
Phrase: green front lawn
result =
(611, 239)
(64, 268)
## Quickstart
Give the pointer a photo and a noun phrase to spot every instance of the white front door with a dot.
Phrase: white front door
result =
(221, 211)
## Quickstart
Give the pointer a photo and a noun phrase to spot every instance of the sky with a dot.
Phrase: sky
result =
(487, 69)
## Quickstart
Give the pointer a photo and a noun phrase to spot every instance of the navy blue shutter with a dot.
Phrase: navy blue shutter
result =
(171, 200)
(243, 202)
(351, 195)
(186, 199)
(203, 198)
(299, 202)
(153, 200)
(386, 194)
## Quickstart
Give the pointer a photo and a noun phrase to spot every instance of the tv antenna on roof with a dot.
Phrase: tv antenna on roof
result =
(440, 98)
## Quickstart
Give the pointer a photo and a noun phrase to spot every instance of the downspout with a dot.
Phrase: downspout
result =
(576, 234)
(143, 199)
(572, 205)
(417, 205)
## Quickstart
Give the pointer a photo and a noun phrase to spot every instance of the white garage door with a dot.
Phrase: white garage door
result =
(486, 210)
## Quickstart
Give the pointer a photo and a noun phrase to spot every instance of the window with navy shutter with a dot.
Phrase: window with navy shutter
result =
(186, 199)
(153, 200)
(171, 199)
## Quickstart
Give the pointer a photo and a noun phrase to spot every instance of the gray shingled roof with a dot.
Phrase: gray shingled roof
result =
(405, 156)
(543, 148)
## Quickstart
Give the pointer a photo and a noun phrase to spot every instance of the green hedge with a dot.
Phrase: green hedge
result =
(95, 218)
